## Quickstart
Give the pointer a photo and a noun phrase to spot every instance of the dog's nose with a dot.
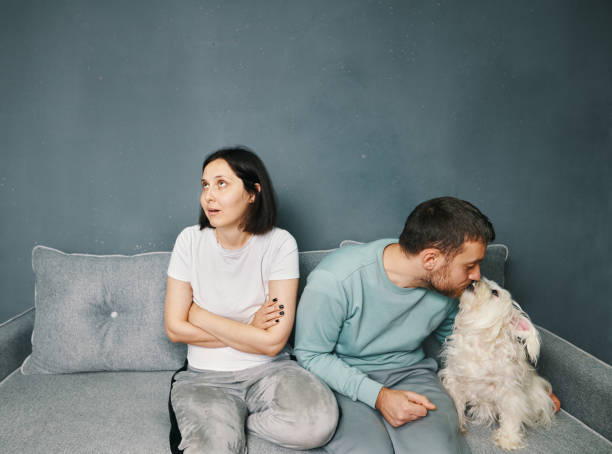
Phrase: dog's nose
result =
(470, 287)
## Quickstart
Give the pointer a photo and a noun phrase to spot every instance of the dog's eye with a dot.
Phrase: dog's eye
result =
(495, 292)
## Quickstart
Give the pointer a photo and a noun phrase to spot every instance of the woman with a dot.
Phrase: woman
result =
(241, 274)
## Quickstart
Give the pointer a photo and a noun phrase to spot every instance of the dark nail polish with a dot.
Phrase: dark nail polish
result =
(274, 300)
(276, 320)
(282, 312)
(281, 307)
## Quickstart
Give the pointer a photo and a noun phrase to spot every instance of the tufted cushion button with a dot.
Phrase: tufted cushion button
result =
(114, 314)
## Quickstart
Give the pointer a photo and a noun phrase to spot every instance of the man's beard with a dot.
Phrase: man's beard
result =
(439, 282)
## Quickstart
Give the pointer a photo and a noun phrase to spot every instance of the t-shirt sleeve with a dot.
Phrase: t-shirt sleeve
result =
(286, 260)
(180, 261)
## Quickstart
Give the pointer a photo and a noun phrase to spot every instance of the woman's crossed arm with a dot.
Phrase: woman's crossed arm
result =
(248, 338)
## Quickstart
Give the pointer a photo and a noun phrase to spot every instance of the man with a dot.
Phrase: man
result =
(364, 315)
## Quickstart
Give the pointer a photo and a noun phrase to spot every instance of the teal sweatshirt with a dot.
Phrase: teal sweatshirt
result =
(352, 319)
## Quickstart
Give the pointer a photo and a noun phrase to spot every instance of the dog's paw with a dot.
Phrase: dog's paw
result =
(508, 440)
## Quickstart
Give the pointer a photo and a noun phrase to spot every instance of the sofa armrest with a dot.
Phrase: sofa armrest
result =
(582, 382)
(15, 341)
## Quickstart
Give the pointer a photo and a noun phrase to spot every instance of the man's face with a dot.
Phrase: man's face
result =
(459, 271)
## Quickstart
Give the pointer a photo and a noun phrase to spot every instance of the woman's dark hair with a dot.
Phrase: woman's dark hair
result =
(260, 216)
(445, 223)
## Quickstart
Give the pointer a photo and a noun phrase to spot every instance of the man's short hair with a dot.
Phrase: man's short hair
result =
(445, 223)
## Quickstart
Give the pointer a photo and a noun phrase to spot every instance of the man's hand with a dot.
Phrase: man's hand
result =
(399, 407)
(269, 314)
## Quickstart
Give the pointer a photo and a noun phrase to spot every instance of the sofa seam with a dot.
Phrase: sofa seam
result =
(82, 254)
(506, 248)
(317, 251)
(348, 242)
(10, 375)
(589, 428)
(576, 347)
(15, 317)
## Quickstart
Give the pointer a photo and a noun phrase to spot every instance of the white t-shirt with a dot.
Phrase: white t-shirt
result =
(231, 283)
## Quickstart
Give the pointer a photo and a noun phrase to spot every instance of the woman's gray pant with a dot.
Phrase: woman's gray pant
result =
(278, 401)
(363, 430)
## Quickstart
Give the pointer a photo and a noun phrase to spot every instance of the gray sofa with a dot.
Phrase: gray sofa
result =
(99, 365)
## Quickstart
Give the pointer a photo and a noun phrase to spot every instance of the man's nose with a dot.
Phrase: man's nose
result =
(475, 274)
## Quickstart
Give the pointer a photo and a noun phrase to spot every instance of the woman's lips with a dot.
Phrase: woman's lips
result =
(212, 212)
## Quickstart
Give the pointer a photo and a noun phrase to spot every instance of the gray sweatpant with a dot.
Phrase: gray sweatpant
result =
(278, 401)
(363, 430)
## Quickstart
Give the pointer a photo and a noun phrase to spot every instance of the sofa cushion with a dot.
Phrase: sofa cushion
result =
(103, 313)
(118, 412)
(100, 313)
(581, 381)
(15, 341)
(494, 264)
(308, 262)
(104, 412)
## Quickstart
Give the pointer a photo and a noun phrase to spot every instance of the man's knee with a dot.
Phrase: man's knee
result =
(437, 432)
(375, 440)
(360, 430)
(443, 437)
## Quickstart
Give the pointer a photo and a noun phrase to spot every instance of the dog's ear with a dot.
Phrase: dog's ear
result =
(521, 324)
(526, 332)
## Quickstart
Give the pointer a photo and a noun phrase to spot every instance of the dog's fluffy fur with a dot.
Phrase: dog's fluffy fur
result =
(487, 372)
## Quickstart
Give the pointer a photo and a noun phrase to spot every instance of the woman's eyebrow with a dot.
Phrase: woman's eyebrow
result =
(216, 177)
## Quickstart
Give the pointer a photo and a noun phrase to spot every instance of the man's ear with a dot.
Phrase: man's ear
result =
(430, 258)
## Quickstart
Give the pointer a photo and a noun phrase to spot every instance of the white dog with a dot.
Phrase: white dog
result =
(487, 368)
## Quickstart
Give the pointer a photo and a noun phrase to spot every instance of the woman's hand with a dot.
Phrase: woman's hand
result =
(269, 314)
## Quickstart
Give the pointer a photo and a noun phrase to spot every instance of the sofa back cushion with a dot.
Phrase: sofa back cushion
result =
(105, 312)
(494, 264)
(96, 313)
(308, 261)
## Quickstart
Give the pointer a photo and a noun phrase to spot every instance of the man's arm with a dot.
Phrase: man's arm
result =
(321, 314)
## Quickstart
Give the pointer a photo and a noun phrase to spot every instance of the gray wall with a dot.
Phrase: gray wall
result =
(360, 109)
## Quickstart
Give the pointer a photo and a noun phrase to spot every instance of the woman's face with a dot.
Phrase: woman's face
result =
(224, 198)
